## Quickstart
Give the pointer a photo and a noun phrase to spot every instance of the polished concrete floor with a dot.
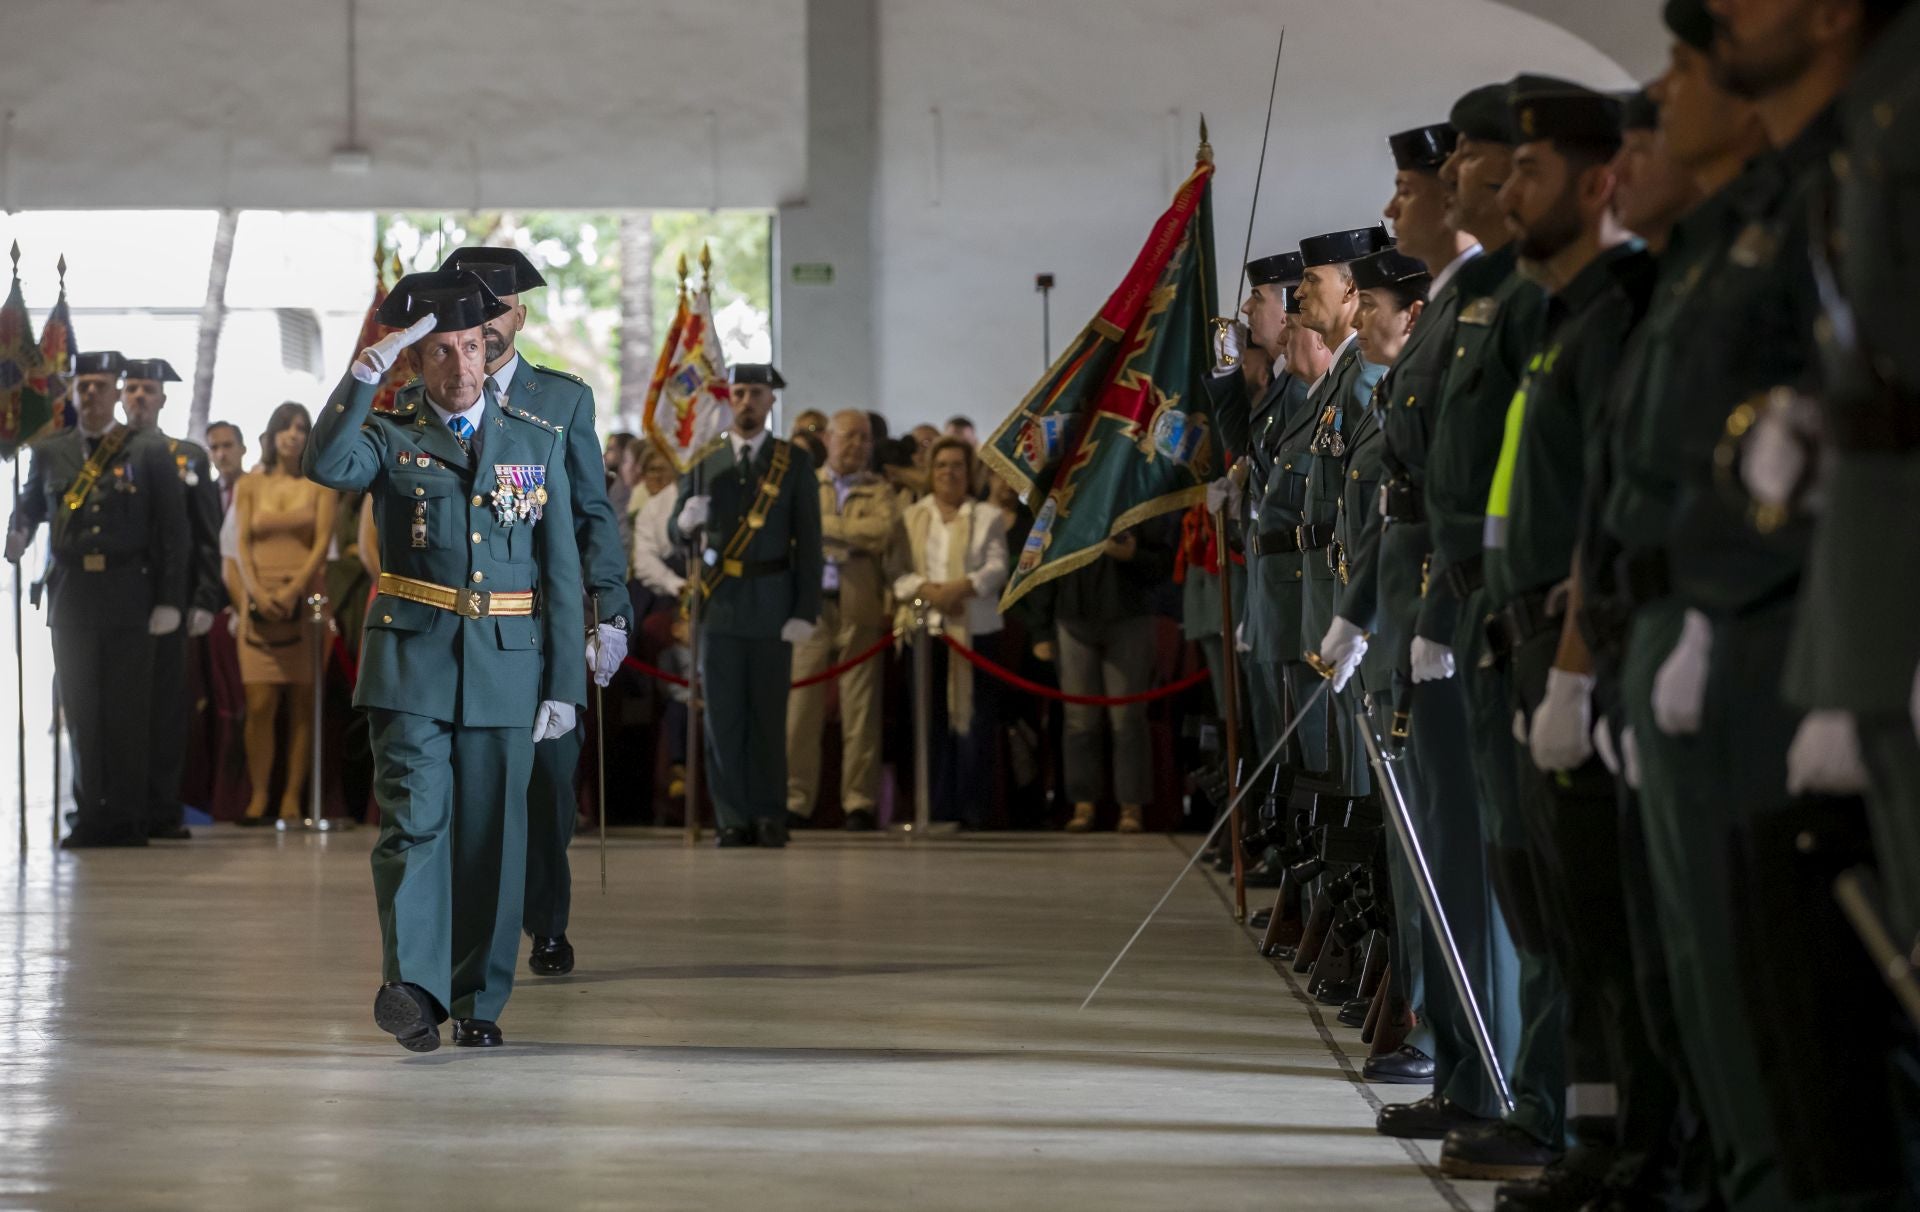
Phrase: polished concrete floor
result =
(855, 1023)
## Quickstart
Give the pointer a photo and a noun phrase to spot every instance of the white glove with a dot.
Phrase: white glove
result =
(378, 358)
(1240, 639)
(1680, 684)
(1341, 649)
(1562, 733)
(1603, 745)
(1431, 662)
(606, 648)
(1824, 758)
(553, 719)
(199, 621)
(165, 620)
(1630, 758)
(1519, 728)
(16, 545)
(1229, 340)
(1380, 499)
(1773, 459)
(1225, 493)
(797, 631)
(694, 514)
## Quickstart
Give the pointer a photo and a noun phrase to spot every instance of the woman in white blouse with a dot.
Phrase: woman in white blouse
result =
(957, 548)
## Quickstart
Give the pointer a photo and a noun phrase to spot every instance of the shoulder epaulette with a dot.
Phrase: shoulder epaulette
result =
(1481, 311)
(531, 419)
(558, 374)
(401, 403)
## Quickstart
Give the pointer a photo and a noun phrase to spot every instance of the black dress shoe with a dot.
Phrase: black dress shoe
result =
(1260, 918)
(254, 822)
(772, 833)
(1354, 1013)
(85, 841)
(1337, 993)
(409, 1014)
(476, 1033)
(169, 833)
(861, 820)
(1429, 1118)
(796, 821)
(729, 836)
(1494, 1150)
(551, 956)
(1406, 1066)
(1560, 1186)
(1265, 875)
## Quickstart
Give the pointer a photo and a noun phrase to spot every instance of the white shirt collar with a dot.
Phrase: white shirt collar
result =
(753, 444)
(1445, 276)
(472, 413)
(503, 378)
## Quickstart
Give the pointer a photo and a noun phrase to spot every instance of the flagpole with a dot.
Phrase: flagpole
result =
(20, 674)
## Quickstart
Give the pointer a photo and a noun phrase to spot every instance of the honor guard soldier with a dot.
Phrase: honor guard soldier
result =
(120, 551)
(472, 652)
(567, 404)
(168, 709)
(755, 505)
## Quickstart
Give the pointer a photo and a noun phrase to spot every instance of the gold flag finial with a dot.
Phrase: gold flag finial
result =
(706, 259)
(683, 269)
(1205, 154)
(61, 266)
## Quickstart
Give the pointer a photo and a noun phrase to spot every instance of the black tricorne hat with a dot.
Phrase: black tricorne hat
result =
(99, 362)
(456, 298)
(156, 369)
(1546, 107)
(506, 271)
(1338, 247)
(1389, 267)
(1483, 114)
(762, 373)
(1691, 22)
(1281, 269)
(1424, 148)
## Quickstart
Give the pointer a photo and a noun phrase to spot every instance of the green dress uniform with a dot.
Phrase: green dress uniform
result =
(1200, 610)
(1273, 569)
(478, 621)
(169, 713)
(1496, 328)
(566, 403)
(762, 560)
(121, 545)
(1437, 768)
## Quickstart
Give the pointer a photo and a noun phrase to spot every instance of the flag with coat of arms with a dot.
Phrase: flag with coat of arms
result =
(24, 406)
(689, 404)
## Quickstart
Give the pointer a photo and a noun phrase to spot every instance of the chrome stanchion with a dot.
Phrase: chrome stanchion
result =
(923, 640)
(317, 819)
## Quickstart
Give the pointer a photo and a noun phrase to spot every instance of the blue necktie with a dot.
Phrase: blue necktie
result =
(461, 427)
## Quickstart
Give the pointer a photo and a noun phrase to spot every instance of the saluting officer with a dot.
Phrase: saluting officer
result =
(755, 502)
(168, 711)
(566, 403)
(472, 651)
(120, 548)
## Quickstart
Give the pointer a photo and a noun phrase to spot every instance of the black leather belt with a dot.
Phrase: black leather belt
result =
(1641, 577)
(740, 569)
(1275, 542)
(1405, 502)
(102, 561)
(1517, 622)
(1313, 538)
(1466, 576)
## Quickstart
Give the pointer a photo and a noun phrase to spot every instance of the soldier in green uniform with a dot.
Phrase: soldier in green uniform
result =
(472, 651)
(168, 710)
(567, 404)
(1494, 333)
(756, 505)
(120, 551)
(1313, 477)
(1560, 199)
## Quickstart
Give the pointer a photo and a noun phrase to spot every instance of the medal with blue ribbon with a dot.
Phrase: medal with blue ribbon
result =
(520, 493)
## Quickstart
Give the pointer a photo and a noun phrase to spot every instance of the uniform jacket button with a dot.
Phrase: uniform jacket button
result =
(479, 577)
(386, 618)
(419, 492)
(476, 502)
(476, 536)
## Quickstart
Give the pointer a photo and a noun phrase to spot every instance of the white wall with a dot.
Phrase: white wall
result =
(473, 104)
(1062, 129)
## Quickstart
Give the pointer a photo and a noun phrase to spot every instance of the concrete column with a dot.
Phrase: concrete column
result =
(823, 330)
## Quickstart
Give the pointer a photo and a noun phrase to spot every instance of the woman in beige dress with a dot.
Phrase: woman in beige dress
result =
(284, 523)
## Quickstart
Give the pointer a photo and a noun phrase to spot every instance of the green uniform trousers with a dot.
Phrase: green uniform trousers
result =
(551, 811)
(449, 868)
(105, 676)
(1405, 946)
(1262, 696)
(745, 681)
(1892, 754)
(1312, 746)
(1445, 805)
(1534, 1048)
(168, 715)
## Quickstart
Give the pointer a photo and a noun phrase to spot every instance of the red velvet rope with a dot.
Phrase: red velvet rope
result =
(825, 675)
(1086, 700)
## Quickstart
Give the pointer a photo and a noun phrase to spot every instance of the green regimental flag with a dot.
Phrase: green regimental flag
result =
(1117, 432)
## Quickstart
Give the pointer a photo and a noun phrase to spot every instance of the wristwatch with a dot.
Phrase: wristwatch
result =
(618, 622)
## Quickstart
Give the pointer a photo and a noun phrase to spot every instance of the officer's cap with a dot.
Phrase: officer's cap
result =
(1690, 22)
(100, 362)
(506, 271)
(1483, 114)
(762, 373)
(156, 369)
(1546, 107)
(1639, 111)
(1339, 247)
(1423, 149)
(457, 298)
(1389, 267)
(1281, 269)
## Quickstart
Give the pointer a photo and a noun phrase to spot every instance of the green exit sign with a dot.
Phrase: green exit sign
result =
(813, 273)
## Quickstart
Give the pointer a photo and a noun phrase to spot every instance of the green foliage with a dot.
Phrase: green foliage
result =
(742, 247)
